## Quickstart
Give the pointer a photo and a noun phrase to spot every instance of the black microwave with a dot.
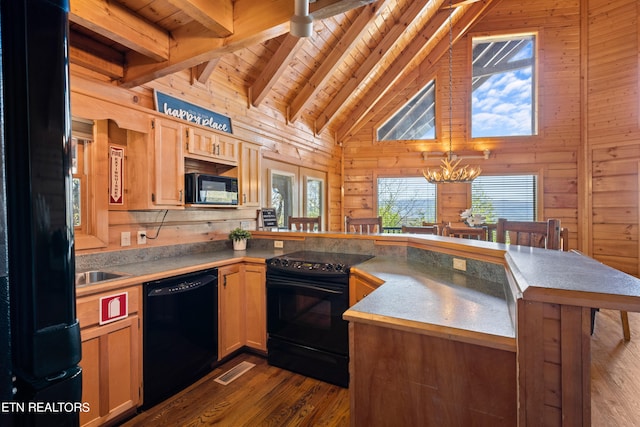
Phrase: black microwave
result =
(210, 189)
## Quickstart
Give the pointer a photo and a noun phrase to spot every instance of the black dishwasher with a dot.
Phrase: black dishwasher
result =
(180, 332)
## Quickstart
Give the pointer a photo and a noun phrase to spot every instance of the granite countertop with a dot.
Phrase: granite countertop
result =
(571, 278)
(144, 271)
(435, 301)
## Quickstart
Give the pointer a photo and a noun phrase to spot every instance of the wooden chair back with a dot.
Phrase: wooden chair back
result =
(564, 239)
(539, 234)
(425, 229)
(465, 232)
(304, 223)
(363, 225)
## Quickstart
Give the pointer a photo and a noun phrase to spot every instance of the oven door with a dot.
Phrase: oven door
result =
(307, 310)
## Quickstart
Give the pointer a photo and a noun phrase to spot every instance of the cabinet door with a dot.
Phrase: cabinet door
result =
(201, 143)
(250, 175)
(227, 149)
(231, 310)
(359, 288)
(169, 163)
(210, 146)
(256, 306)
(111, 382)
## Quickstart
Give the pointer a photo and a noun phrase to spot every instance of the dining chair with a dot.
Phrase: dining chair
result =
(465, 232)
(305, 223)
(538, 234)
(424, 229)
(363, 225)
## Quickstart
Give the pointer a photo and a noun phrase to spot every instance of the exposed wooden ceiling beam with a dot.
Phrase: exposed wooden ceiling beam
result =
(415, 8)
(95, 56)
(333, 60)
(274, 69)
(117, 23)
(215, 15)
(426, 68)
(254, 22)
(201, 72)
(326, 8)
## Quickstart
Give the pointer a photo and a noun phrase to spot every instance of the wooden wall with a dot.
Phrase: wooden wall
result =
(587, 151)
(265, 126)
(612, 131)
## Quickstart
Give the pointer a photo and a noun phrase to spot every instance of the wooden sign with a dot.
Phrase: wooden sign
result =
(269, 218)
(180, 109)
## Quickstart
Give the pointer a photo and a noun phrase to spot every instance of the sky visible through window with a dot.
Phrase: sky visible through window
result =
(503, 104)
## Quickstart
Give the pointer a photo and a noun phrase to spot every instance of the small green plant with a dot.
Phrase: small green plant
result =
(239, 234)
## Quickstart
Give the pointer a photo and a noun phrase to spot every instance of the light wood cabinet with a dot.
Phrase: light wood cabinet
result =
(360, 286)
(242, 315)
(256, 306)
(169, 163)
(154, 167)
(111, 360)
(250, 162)
(210, 146)
(231, 320)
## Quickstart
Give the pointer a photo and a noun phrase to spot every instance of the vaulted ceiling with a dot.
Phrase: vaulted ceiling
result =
(362, 53)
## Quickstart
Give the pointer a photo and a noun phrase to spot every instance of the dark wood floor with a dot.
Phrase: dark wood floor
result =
(268, 396)
(263, 396)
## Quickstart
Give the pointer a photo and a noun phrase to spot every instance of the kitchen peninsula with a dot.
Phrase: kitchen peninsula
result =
(530, 308)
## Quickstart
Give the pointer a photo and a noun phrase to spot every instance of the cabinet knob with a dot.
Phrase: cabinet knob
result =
(180, 196)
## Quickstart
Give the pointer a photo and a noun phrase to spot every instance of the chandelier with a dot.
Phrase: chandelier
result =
(449, 171)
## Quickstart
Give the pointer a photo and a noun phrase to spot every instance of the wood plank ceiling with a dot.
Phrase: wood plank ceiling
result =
(360, 53)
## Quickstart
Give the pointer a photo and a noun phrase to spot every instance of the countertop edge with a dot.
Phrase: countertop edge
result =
(461, 335)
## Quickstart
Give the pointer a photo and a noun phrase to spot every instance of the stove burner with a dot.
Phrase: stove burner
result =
(317, 262)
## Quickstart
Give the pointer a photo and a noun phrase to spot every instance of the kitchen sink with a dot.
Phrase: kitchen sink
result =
(97, 276)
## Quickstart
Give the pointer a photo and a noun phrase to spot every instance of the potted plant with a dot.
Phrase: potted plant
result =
(239, 238)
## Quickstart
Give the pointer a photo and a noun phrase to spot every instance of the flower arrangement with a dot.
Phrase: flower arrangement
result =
(472, 219)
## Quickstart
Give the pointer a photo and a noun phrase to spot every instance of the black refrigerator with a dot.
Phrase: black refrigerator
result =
(40, 382)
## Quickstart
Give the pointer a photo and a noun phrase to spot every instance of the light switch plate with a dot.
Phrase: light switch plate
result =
(125, 238)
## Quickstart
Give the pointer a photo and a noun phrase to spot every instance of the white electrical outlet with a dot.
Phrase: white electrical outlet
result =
(460, 264)
(245, 225)
(125, 238)
(278, 244)
(142, 237)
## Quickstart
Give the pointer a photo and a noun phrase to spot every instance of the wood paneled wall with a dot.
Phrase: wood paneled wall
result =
(587, 151)
(265, 126)
(612, 131)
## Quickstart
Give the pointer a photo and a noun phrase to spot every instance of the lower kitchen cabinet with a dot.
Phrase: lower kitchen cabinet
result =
(111, 360)
(242, 308)
(256, 306)
(361, 285)
(231, 335)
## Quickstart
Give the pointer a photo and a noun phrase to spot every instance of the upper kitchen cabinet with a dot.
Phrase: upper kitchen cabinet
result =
(153, 166)
(249, 182)
(209, 146)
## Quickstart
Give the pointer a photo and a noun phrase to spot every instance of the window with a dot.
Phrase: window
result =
(503, 95)
(406, 201)
(513, 197)
(295, 191)
(82, 135)
(415, 120)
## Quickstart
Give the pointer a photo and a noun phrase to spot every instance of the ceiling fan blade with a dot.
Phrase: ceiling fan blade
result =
(337, 7)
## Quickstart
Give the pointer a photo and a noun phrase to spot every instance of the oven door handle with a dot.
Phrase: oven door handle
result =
(309, 287)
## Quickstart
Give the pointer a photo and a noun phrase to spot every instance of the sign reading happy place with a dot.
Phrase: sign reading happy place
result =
(180, 109)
